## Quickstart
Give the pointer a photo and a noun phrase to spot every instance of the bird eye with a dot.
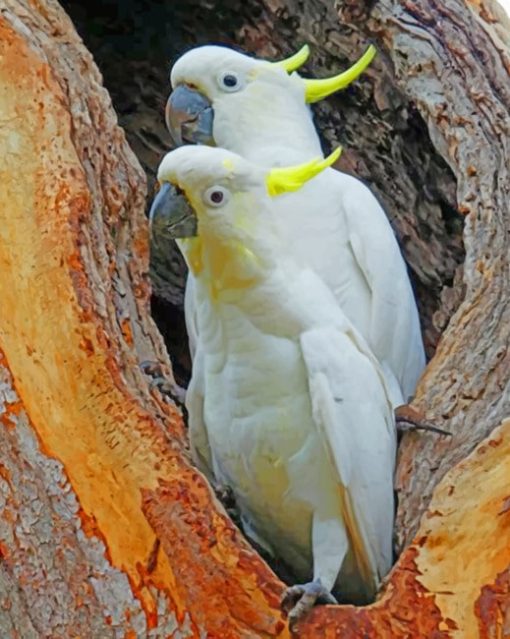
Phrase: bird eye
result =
(230, 82)
(216, 196)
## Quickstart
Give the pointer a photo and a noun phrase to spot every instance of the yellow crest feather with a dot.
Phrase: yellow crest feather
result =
(295, 61)
(316, 90)
(291, 178)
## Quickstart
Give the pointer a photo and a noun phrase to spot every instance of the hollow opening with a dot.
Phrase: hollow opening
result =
(386, 141)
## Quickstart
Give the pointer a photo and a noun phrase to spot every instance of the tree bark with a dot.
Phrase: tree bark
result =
(106, 530)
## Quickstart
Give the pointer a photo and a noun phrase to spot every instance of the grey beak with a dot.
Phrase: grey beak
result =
(189, 117)
(171, 215)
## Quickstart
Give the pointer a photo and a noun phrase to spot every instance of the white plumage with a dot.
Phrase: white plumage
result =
(334, 224)
(287, 404)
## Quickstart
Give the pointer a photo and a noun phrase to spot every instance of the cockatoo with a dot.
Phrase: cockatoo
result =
(334, 224)
(287, 404)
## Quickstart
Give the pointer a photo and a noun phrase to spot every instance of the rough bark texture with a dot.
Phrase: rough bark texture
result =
(453, 59)
(105, 528)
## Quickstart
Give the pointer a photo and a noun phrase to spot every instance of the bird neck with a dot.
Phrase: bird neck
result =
(226, 266)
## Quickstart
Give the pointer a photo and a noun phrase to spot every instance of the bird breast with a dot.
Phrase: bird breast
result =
(258, 417)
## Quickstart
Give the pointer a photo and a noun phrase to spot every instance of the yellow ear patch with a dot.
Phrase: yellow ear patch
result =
(295, 61)
(228, 164)
(316, 90)
(285, 179)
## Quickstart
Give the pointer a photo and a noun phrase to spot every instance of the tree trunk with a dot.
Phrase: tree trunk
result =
(106, 530)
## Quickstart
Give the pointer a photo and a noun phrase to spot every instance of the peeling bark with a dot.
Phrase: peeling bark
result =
(48, 559)
(106, 530)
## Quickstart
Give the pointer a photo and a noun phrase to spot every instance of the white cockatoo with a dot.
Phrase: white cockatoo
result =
(334, 224)
(287, 404)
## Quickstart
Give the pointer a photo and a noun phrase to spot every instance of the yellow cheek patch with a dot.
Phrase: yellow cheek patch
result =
(248, 256)
(192, 248)
(292, 178)
(223, 263)
(229, 266)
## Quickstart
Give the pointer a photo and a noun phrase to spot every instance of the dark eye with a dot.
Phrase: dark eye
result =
(216, 196)
(230, 80)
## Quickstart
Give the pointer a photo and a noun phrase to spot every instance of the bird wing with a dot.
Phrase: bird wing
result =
(395, 334)
(353, 415)
(198, 436)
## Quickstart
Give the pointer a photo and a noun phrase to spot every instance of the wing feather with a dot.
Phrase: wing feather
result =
(395, 334)
(353, 414)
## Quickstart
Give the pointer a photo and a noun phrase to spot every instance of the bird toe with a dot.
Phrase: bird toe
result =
(298, 600)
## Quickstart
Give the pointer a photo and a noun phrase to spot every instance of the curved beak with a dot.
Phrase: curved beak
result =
(171, 215)
(189, 117)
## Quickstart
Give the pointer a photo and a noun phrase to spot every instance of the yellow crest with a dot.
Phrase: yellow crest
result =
(316, 90)
(295, 61)
(291, 178)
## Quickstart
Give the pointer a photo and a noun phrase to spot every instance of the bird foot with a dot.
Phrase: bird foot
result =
(298, 600)
(408, 419)
(164, 385)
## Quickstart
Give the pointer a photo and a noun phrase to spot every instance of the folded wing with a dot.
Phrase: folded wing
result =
(354, 417)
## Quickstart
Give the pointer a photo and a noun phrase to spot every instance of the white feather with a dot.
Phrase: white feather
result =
(287, 403)
(353, 414)
(334, 224)
(295, 420)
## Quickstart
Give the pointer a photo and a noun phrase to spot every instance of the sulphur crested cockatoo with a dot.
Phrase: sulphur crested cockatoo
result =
(287, 404)
(334, 224)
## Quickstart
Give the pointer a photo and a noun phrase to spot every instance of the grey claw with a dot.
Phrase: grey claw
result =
(165, 386)
(300, 599)
(172, 390)
(405, 425)
(160, 383)
(290, 597)
(224, 493)
(151, 368)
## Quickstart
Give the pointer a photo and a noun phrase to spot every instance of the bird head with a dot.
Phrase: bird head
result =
(220, 95)
(223, 201)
